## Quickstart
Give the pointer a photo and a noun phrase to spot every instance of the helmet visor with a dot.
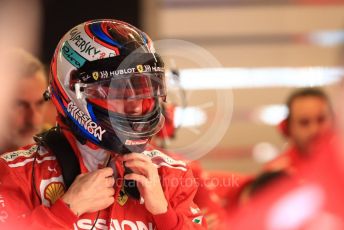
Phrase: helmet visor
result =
(136, 86)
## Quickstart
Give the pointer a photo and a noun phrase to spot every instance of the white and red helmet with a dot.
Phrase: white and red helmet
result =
(99, 65)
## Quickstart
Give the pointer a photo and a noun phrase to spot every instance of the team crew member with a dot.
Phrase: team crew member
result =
(302, 175)
(94, 170)
(310, 115)
(25, 119)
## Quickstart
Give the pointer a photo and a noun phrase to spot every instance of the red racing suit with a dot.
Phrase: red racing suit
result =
(31, 185)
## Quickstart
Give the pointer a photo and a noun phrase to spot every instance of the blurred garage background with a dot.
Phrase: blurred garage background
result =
(237, 61)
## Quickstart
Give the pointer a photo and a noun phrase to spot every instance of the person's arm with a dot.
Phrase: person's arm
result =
(181, 192)
(20, 209)
(173, 208)
(17, 209)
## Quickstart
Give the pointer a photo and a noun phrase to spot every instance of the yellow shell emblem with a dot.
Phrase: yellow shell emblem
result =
(95, 75)
(53, 191)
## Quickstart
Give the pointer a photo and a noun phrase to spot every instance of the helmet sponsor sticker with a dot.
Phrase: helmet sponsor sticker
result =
(73, 57)
(106, 74)
(82, 43)
(95, 75)
(87, 47)
(139, 68)
(85, 121)
(136, 142)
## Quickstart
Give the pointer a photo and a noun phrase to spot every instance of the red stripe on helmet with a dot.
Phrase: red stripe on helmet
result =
(58, 106)
(89, 33)
(55, 81)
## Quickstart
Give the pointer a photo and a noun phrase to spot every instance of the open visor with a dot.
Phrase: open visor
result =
(135, 86)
